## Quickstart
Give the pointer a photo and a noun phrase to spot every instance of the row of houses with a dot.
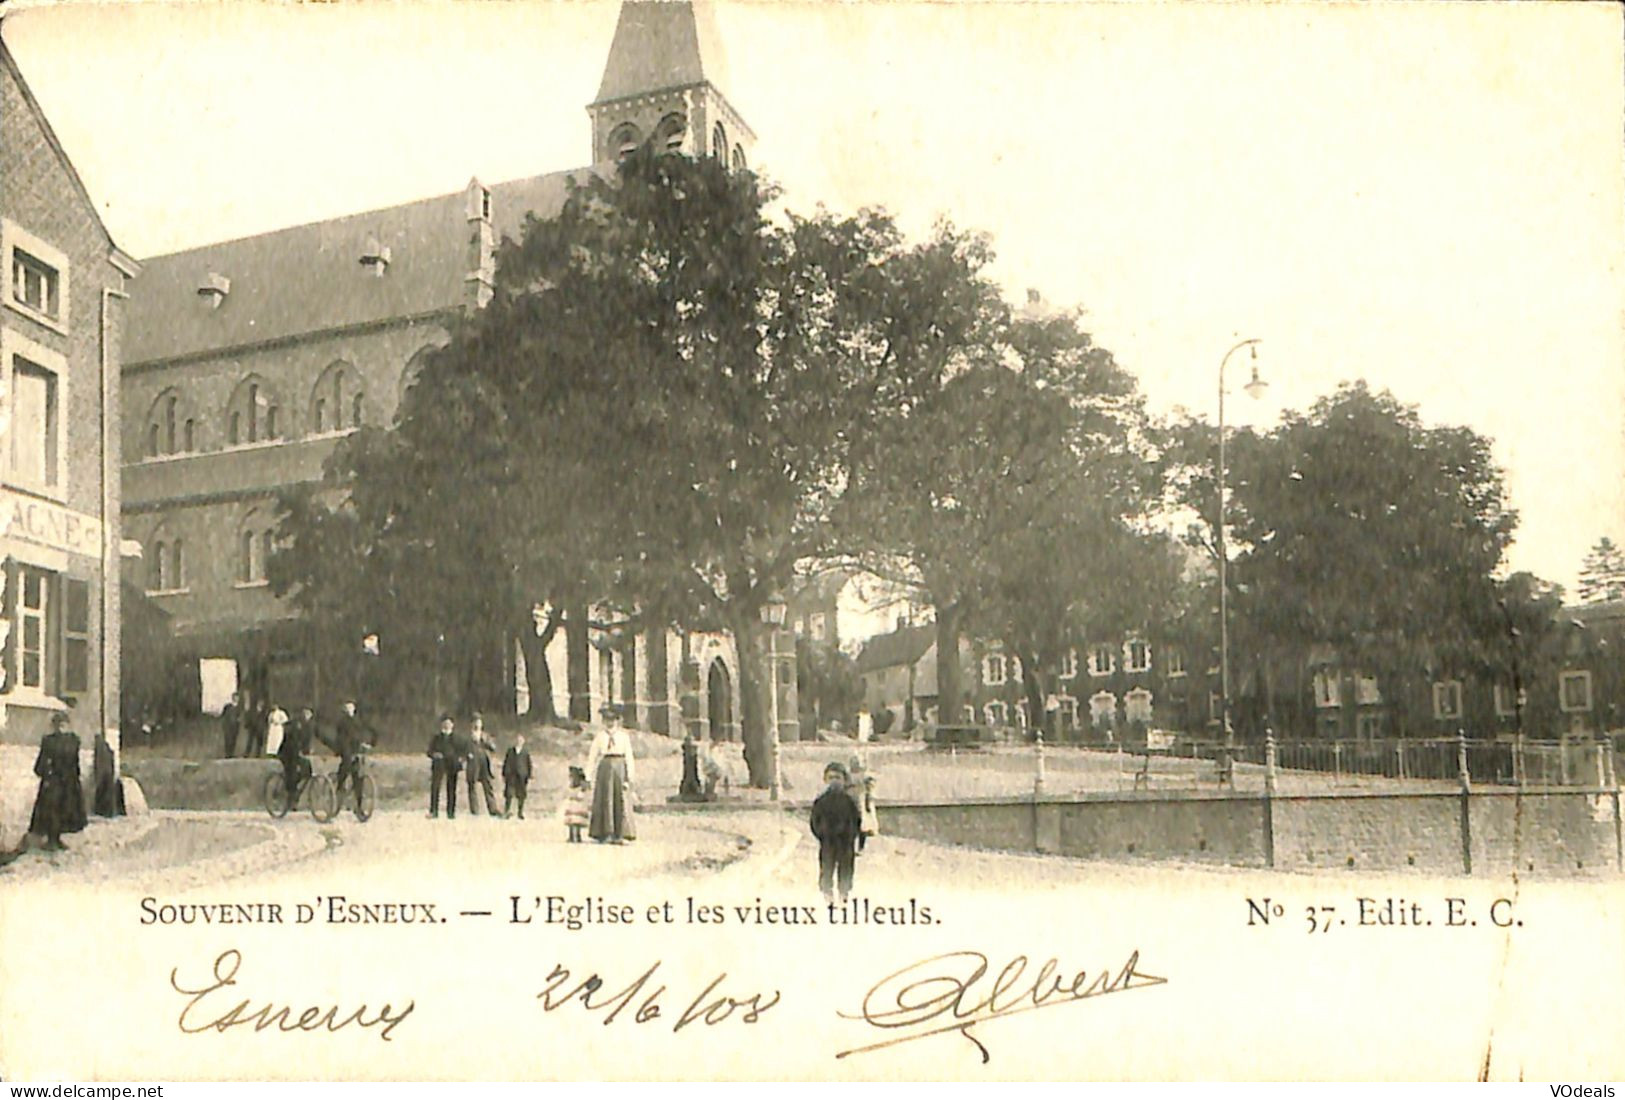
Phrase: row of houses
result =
(1126, 687)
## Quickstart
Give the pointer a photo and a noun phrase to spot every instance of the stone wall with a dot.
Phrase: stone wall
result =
(1553, 832)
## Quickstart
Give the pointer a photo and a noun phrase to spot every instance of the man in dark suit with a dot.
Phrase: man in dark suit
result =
(294, 752)
(836, 823)
(515, 776)
(445, 761)
(349, 740)
(230, 724)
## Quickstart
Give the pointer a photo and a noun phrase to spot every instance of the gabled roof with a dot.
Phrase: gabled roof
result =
(119, 258)
(309, 278)
(1603, 611)
(900, 647)
(662, 44)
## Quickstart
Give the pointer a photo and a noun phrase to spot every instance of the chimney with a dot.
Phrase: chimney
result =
(375, 256)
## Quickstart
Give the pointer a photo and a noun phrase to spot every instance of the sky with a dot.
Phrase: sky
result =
(1430, 197)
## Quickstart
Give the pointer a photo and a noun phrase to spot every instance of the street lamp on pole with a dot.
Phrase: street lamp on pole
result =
(1255, 388)
(773, 615)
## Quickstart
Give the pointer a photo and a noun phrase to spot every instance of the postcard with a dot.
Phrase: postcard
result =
(662, 541)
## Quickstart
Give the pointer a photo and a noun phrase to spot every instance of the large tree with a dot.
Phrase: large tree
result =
(1012, 496)
(660, 407)
(1358, 527)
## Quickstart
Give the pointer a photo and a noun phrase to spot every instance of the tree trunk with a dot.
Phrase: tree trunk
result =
(577, 672)
(538, 677)
(753, 702)
(950, 693)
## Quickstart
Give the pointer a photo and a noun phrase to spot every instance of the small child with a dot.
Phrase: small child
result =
(515, 776)
(576, 811)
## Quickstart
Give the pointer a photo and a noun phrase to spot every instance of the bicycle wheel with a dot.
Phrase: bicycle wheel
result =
(324, 802)
(276, 796)
(367, 800)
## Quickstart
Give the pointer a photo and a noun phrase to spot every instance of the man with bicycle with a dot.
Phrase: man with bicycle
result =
(294, 752)
(349, 741)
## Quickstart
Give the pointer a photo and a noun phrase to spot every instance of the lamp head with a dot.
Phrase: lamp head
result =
(1255, 386)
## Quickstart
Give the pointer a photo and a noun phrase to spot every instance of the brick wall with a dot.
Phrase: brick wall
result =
(38, 193)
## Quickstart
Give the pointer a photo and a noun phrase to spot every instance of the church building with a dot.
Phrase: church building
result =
(248, 360)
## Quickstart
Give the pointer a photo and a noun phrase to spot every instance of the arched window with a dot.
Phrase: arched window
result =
(719, 143)
(670, 133)
(157, 553)
(409, 375)
(256, 539)
(624, 139)
(739, 158)
(336, 403)
(253, 416)
(177, 564)
(171, 425)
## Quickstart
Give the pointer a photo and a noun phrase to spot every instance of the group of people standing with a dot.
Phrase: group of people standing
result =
(452, 753)
(607, 817)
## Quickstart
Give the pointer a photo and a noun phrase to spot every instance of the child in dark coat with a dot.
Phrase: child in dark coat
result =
(836, 823)
(515, 776)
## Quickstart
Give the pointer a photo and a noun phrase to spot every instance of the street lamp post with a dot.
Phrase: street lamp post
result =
(773, 615)
(1254, 387)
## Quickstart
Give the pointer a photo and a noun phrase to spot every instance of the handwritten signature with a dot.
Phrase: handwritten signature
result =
(195, 1018)
(944, 993)
(710, 1007)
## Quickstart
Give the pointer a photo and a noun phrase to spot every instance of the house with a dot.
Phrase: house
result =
(63, 284)
(899, 674)
(249, 360)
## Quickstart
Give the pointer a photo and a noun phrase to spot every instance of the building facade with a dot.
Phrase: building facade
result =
(62, 287)
(249, 360)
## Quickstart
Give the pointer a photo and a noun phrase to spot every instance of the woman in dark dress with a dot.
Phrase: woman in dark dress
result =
(60, 805)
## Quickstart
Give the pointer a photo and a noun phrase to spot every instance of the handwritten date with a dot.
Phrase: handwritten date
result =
(709, 1008)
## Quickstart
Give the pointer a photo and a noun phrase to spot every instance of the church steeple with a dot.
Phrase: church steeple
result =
(663, 82)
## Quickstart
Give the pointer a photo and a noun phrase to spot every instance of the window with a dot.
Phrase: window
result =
(52, 621)
(719, 143)
(739, 158)
(1215, 708)
(1506, 702)
(1446, 699)
(337, 402)
(1136, 657)
(1370, 726)
(816, 625)
(1102, 710)
(36, 425)
(1365, 691)
(171, 425)
(1102, 660)
(1173, 662)
(670, 133)
(36, 284)
(252, 416)
(255, 543)
(996, 713)
(624, 140)
(1069, 665)
(33, 604)
(1574, 691)
(993, 670)
(177, 564)
(156, 557)
(1067, 713)
(35, 277)
(1137, 706)
(1328, 688)
(801, 626)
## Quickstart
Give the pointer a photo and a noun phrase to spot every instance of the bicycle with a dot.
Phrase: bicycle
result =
(316, 790)
(366, 787)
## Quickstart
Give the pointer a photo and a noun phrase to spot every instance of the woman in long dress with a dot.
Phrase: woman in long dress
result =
(59, 807)
(611, 766)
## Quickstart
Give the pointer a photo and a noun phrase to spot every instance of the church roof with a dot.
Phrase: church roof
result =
(662, 44)
(309, 278)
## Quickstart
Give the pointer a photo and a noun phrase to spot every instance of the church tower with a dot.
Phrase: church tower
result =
(663, 83)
